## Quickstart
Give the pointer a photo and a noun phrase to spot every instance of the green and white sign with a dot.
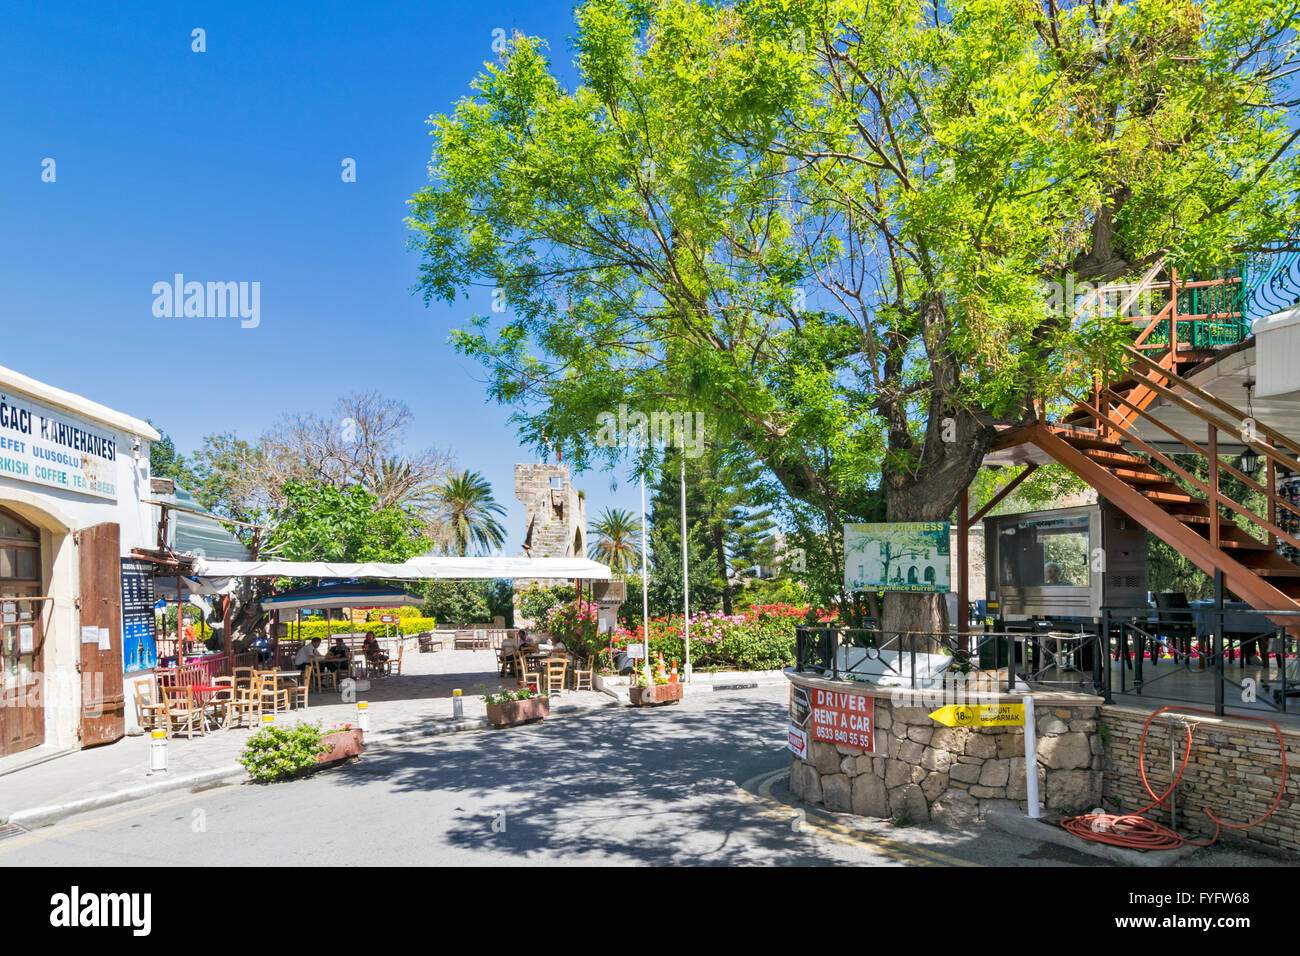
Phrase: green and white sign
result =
(55, 449)
(897, 557)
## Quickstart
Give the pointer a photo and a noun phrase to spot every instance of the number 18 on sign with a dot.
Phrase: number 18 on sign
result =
(844, 719)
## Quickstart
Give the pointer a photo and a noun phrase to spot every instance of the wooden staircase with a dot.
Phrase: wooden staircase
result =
(1098, 441)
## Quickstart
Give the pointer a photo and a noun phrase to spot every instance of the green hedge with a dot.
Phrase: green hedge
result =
(314, 629)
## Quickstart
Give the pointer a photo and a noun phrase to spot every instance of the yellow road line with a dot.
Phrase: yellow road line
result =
(759, 791)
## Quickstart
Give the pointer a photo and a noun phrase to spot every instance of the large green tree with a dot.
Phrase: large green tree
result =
(826, 227)
(324, 523)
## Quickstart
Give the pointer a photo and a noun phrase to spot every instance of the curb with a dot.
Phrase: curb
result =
(1044, 832)
(53, 813)
(43, 816)
(619, 692)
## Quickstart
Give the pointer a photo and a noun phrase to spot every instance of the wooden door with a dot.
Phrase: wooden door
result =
(22, 638)
(103, 707)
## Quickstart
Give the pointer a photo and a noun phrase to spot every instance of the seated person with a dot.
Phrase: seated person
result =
(373, 653)
(526, 643)
(337, 656)
(308, 653)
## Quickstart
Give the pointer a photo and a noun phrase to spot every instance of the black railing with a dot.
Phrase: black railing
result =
(1184, 655)
(1065, 658)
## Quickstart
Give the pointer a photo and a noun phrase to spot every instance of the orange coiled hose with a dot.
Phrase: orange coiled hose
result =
(1135, 831)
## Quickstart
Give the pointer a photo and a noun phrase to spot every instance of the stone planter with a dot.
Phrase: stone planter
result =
(342, 745)
(517, 712)
(655, 694)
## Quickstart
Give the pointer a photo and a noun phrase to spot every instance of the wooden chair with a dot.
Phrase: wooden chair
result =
(300, 691)
(243, 677)
(377, 665)
(395, 663)
(503, 662)
(582, 676)
(183, 713)
(326, 676)
(358, 665)
(556, 668)
(268, 691)
(153, 713)
(247, 704)
(527, 673)
(223, 701)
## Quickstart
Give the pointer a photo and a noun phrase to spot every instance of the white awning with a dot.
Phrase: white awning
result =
(416, 569)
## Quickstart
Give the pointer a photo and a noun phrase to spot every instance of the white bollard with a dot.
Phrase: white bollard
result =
(1031, 758)
(363, 716)
(457, 703)
(267, 720)
(158, 752)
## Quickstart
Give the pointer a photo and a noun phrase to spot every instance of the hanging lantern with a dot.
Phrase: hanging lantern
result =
(1249, 461)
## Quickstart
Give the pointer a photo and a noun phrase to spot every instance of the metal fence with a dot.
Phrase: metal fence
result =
(1061, 658)
(1127, 651)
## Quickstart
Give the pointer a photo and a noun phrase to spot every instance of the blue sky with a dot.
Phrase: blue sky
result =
(225, 166)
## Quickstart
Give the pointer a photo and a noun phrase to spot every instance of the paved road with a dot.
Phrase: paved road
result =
(616, 787)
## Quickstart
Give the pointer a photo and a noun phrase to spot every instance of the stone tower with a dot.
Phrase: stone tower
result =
(555, 519)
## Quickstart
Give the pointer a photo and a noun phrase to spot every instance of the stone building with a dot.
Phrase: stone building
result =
(555, 519)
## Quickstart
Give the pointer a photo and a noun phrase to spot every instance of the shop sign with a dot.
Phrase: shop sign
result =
(800, 706)
(844, 719)
(798, 743)
(52, 448)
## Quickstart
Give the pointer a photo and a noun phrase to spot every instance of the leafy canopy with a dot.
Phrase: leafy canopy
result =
(827, 226)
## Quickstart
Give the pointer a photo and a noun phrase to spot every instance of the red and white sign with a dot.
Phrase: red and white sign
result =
(845, 719)
(798, 743)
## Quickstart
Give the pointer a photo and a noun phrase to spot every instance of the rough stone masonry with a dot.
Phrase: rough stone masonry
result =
(924, 771)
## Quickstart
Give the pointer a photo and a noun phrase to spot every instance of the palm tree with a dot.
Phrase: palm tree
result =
(397, 483)
(617, 542)
(469, 511)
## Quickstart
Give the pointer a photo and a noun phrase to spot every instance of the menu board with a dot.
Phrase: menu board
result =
(139, 645)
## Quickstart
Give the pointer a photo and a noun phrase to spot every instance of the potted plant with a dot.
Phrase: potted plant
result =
(661, 691)
(284, 752)
(341, 743)
(513, 707)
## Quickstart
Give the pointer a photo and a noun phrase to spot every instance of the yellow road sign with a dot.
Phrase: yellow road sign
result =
(992, 715)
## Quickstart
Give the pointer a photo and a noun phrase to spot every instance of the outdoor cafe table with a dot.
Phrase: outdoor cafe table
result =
(201, 691)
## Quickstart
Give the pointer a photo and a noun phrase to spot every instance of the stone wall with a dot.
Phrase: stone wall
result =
(951, 775)
(555, 520)
(1234, 769)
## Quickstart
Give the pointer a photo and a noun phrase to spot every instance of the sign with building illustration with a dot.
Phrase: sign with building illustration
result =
(911, 556)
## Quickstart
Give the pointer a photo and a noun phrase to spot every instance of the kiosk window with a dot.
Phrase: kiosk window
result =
(1049, 554)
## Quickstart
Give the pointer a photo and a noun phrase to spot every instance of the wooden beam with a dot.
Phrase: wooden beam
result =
(1252, 589)
(994, 501)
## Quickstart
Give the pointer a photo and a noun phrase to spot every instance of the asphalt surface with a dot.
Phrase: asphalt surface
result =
(698, 783)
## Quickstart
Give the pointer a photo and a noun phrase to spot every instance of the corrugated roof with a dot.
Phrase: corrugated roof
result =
(200, 535)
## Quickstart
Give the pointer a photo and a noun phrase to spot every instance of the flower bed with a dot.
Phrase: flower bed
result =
(655, 694)
(762, 638)
(341, 744)
(511, 708)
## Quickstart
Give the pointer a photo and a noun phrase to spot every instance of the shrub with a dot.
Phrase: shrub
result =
(762, 638)
(536, 599)
(276, 753)
(317, 628)
(575, 624)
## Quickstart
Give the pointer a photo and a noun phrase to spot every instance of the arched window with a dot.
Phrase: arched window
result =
(20, 550)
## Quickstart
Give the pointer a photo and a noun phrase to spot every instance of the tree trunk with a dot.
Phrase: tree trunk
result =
(720, 552)
(924, 475)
